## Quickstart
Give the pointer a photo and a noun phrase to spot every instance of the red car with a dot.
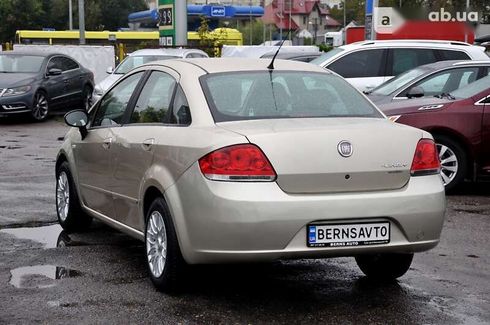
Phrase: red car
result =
(460, 124)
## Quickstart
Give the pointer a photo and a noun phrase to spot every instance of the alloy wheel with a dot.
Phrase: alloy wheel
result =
(63, 195)
(449, 163)
(40, 107)
(156, 244)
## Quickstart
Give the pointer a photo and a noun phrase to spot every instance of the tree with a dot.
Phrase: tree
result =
(19, 14)
(38, 14)
(257, 31)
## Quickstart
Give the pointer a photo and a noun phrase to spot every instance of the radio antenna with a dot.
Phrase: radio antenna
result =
(271, 65)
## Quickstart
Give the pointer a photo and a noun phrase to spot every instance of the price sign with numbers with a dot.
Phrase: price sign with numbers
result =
(166, 22)
(166, 16)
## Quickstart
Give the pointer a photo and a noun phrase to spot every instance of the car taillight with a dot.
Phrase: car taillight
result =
(426, 159)
(243, 162)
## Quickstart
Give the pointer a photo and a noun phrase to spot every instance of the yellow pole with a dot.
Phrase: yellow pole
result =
(121, 51)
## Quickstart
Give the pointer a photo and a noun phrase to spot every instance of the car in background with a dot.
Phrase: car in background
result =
(302, 56)
(368, 64)
(460, 124)
(246, 160)
(430, 80)
(140, 57)
(40, 83)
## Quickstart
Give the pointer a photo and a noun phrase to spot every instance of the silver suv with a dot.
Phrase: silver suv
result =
(368, 64)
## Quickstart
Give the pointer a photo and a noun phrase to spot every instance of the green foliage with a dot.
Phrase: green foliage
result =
(19, 14)
(324, 47)
(149, 115)
(38, 14)
(308, 41)
(256, 28)
(210, 41)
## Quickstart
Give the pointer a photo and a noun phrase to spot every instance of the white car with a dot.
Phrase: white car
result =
(368, 64)
(140, 57)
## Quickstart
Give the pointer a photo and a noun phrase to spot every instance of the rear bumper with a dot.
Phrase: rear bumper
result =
(219, 222)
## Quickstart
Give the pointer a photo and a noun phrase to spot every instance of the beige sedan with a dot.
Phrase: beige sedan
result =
(229, 160)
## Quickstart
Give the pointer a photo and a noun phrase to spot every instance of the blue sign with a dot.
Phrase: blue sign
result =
(369, 7)
(218, 12)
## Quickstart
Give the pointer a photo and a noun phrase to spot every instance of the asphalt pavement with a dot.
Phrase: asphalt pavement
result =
(48, 276)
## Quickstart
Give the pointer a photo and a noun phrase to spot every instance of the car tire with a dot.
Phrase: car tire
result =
(40, 106)
(384, 267)
(164, 259)
(454, 163)
(70, 214)
(86, 98)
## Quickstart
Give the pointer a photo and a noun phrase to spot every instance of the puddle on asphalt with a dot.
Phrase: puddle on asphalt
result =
(39, 276)
(49, 236)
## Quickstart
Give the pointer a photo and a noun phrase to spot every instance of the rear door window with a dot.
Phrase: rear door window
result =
(447, 81)
(360, 64)
(154, 101)
(404, 59)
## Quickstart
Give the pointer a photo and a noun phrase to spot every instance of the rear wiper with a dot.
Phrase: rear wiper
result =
(446, 95)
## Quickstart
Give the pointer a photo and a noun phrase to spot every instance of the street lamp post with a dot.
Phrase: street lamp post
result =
(81, 21)
(70, 15)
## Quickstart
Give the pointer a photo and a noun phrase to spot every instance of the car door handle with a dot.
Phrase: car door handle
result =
(148, 144)
(107, 143)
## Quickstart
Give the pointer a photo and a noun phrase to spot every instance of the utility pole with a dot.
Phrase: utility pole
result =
(345, 9)
(70, 15)
(250, 24)
(81, 21)
(280, 19)
(290, 3)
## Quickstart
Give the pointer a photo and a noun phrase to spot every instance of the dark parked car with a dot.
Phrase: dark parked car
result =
(460, 124)
(40, 83)
(295, 56)
(430, 80)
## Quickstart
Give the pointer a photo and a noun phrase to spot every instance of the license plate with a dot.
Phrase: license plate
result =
(341, 235)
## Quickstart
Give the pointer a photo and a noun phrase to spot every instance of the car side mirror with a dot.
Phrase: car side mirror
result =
(416, 92)
(78, 119)
(54, 72)
(109, 70)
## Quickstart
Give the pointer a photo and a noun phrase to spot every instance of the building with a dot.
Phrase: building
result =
(301, 17)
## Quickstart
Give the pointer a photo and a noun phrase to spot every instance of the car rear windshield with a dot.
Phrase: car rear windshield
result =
(398, 82)
(282, 94)
(20, 63)
(135, 61)
(472, 89)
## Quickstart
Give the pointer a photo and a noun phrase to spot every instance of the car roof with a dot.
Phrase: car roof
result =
(217, 65)
(170, 52)
(409, 42)
(451, 63)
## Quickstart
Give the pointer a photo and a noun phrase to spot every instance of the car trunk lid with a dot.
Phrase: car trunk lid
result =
(306, 156)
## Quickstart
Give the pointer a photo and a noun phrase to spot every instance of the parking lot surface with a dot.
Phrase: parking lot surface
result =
(99, 276)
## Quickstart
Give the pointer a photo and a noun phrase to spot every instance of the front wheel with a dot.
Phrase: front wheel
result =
(70, 214)
(40, 107)
(163, 256)
(384, 267)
